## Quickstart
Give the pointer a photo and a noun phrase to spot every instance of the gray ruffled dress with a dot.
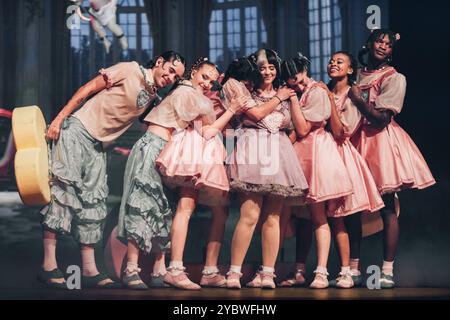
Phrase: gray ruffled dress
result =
(78, 185)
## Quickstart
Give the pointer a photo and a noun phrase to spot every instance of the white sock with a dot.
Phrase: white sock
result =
(132, 268)
(49, 255)
(88, 262)
(235, 269)
(388, 268)
(176, 267)
(208, 270)
(322, 270)
(345, 270)
(268, 270)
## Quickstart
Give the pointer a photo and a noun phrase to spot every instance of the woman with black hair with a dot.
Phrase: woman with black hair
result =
(318, 155)
(344, 122)
(262, 172)
(394, 160)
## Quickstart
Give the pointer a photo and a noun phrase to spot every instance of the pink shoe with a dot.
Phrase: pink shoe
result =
(267, 280)
(256, 282)
(233, 280)
(320, 281)
(214, 280)
(180, 281)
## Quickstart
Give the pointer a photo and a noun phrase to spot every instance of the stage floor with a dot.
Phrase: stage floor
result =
(224, 294)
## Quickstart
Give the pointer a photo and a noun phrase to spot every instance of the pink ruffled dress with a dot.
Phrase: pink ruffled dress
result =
(318, 153)
(393, 158)
(190, 160)
(261, 162)
(365, 196)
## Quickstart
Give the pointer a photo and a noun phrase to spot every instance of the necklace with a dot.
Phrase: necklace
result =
(378, 69)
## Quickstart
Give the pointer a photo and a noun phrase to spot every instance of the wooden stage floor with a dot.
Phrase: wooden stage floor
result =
(223, 294)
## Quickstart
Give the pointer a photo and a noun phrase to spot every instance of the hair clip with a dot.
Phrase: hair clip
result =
(302, 57)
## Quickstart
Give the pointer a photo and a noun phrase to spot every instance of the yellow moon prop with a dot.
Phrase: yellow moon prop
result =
(31, 161)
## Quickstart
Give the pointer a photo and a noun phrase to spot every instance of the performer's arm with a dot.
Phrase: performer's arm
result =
(302, 126)
(378, 118)
(337, 128)
(92, 87)
(292, 136)
(259, 113)
(209, 130)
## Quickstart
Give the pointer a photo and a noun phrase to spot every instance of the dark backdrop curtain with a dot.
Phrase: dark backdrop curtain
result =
(269, 9)
(155, 16)
(61, 66)
(343, 6)
(8, 55)
(200, 24)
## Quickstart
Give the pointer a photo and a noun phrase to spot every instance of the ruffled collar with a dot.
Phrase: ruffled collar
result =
(148, 79)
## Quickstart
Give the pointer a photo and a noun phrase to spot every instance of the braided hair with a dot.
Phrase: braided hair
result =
(373, 37)
(198, 64)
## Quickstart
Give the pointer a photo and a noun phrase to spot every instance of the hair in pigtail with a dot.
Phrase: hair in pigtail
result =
(293, 66)
(241, 69)
(200, 62)
(373, 37)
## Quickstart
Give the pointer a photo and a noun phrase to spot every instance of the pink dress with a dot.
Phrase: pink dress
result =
(261, 163)
(190, 160)
(318, 153)
(394, 160)
(365, 196)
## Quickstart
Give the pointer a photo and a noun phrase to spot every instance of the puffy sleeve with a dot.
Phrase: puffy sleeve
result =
(235, 92)
(317, 107)
(392, 93)
(190, 104)
(350, 117)
(117, 72)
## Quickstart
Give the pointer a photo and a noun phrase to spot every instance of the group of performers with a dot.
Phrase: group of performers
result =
(320, 155)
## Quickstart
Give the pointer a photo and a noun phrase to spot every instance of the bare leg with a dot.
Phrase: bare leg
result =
(89, 265)
(354, 229)
(342, 240)
(185, 208)
(49, 263)
(250, 211)
(176, 275)
(322, 232)
(323, 240)
(159, 267)
(271, 230)
(215, 235)
(391, 228)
